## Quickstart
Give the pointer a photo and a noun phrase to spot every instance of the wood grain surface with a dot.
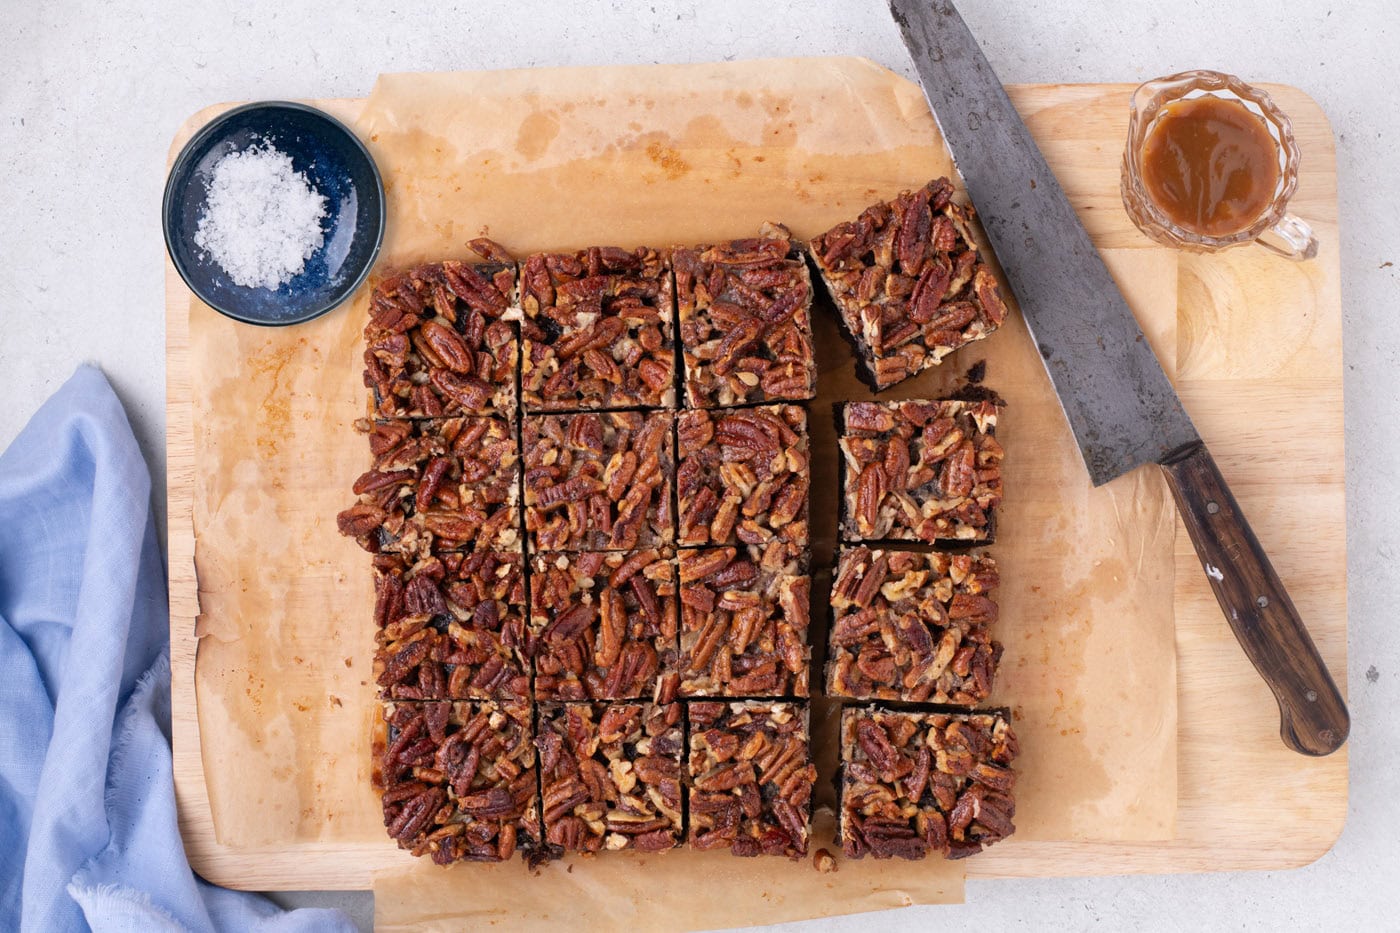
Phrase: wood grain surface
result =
(1259, 366)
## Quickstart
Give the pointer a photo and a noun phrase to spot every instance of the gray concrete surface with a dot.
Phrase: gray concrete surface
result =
(90, 93)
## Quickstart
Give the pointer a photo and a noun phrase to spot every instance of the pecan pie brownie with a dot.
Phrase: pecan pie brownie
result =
(912, 626)
(438, 485)
(744, 616)
(611, 776)
(908, 282)
(750, 773)
(743, 476)
(457, 780)
(919, 471)
(745, 310)
(916, 783)
(441, 339)
(597, 330)
(451, 627)
(598, 480)
(604, 625)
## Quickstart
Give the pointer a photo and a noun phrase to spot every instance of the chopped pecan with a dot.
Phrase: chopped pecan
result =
(915, 783)
(598, 480)
(912, 626)
(451, 627)
(438, 485)
(743, 476)
(597, 330)
(908, 282)
(605, 625)
(745, 310)
(920, 471)
(440, 340)
(458, 779)
(744, 617)
(751, 775)
(610, 776)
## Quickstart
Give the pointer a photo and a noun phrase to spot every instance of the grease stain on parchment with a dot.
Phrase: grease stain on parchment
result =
(537, 131)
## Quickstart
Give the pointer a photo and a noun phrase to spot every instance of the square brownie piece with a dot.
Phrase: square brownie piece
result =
(598, 481)
(611, 776)
(745, 611)
(451, 627)
(745, 310)
(743, 476)
(908, 283)
(920, 471)
(604, 625)
(438, 485)
(441, 340)
(751, 775)
(597, 330)
(915, 783)
(912, 626)
(457, 780)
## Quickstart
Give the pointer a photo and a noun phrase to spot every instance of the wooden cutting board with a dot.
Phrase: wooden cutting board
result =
(1259, 366)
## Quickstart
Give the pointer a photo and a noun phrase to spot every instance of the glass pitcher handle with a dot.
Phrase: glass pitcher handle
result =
(1291, 238)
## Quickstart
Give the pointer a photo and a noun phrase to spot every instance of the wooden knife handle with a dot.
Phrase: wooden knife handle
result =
(1315, 720)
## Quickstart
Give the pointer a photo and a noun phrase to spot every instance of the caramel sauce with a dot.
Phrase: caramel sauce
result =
(1210, 165)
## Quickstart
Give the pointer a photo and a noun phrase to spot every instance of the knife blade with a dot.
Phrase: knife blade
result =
(1119, 403)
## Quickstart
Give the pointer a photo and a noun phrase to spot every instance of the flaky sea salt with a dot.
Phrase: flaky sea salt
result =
(263, 218)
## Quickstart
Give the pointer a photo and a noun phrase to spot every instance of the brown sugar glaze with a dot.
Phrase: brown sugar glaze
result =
(1210, 165)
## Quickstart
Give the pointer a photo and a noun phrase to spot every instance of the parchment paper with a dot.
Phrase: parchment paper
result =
(683, 154)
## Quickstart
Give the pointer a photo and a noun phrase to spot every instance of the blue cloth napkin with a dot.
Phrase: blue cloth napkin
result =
(88, 834)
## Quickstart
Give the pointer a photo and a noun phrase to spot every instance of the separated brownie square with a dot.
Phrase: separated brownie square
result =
(597, 330)
(744, 617)
(598, 481)
(912, 626)
(743, 476)
(919, 471)
(914, 783)
(745, 310)
(451, 627)
(611, 776)
(908, 282)
(751, 774)
(438, 485)
(458, 779)
(605, 625)
(441, 340)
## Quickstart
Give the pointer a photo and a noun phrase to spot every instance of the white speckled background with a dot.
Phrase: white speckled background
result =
(90, 94)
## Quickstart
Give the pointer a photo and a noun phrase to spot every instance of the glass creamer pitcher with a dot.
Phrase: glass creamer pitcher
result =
(1221, 168)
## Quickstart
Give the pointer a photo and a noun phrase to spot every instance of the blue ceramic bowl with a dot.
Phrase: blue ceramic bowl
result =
(334, 161)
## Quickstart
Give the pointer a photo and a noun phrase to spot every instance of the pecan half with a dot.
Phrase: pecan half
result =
(605, 625)
(745, 310)
(915, 783)
(598, 480)
(908, 282)
(611, 776)
(457, 779)
(597, 330)
(440, 341)
(744, 617)
(751, 774)
(910, 626)
(743, 476)
(451, 627)
(920, 471)
(438, 485)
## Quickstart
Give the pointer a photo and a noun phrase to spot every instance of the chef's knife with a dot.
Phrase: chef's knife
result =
(1119, 403)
